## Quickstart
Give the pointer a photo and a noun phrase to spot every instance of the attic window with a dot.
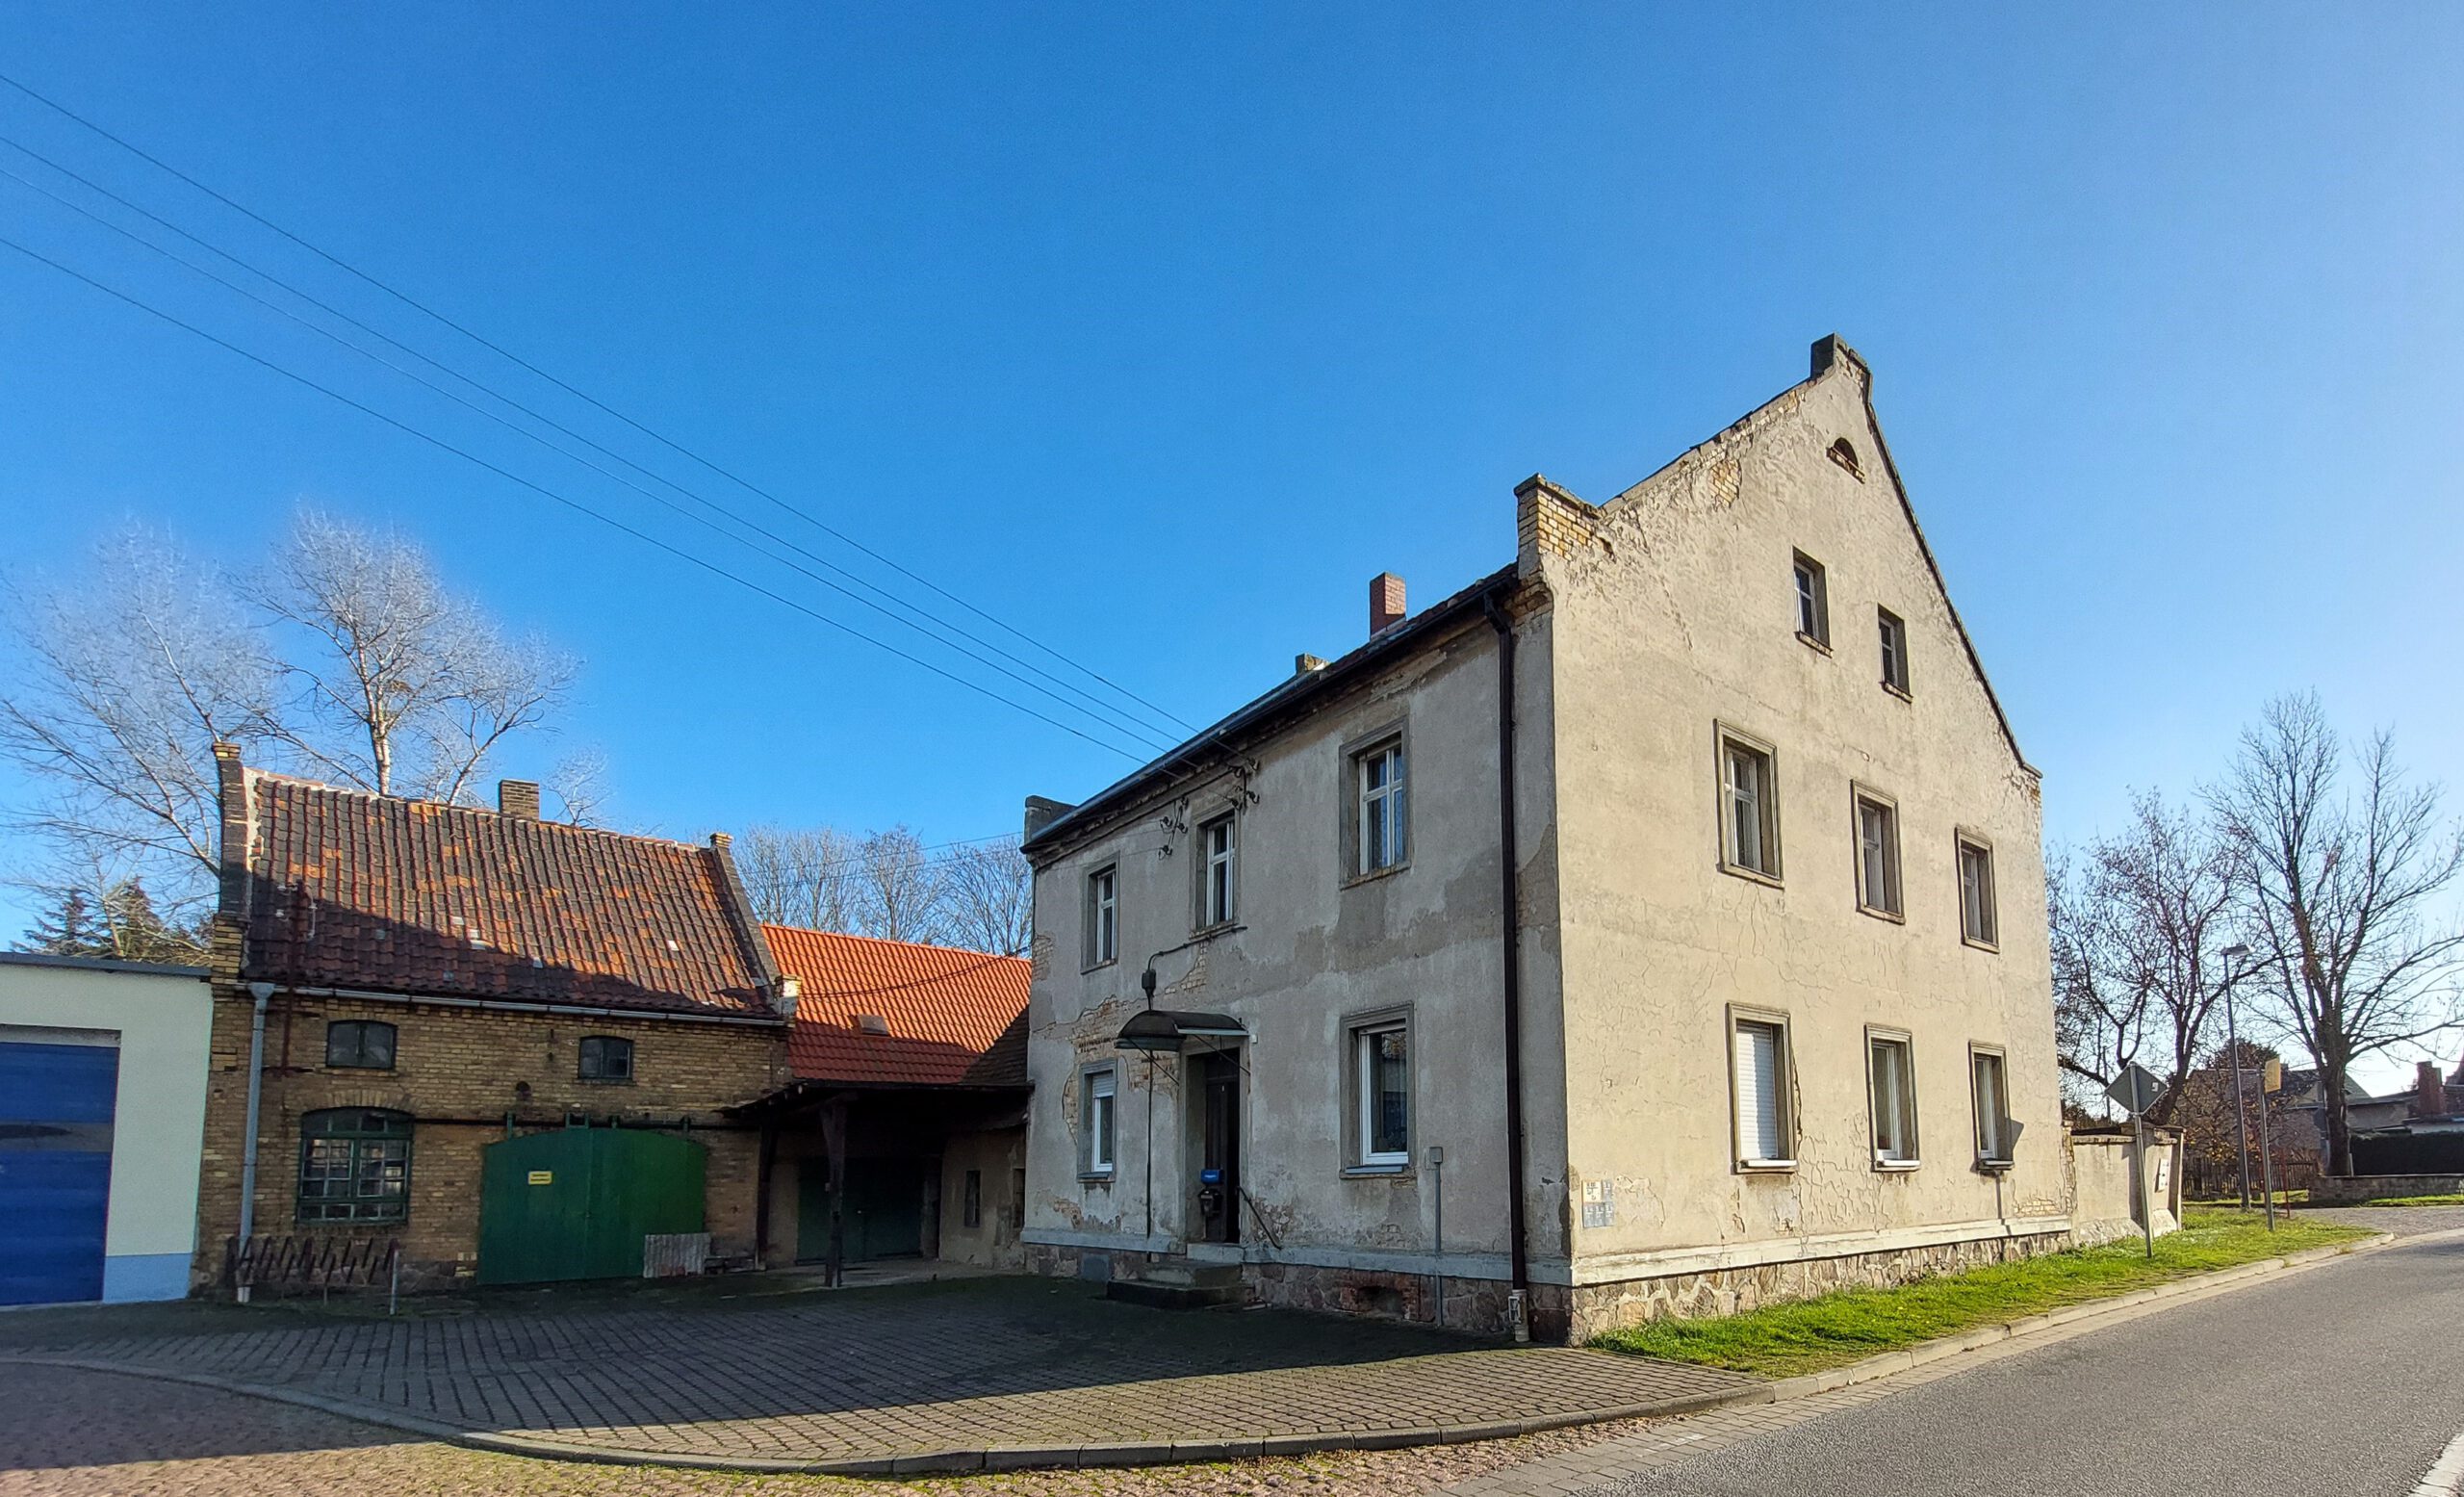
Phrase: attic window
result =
(872, 1023)
(1844, 453)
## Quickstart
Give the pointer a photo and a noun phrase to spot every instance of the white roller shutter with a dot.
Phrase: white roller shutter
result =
(1757, 1091)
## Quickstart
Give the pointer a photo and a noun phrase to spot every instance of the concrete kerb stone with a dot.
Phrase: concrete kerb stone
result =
(2069, 1320)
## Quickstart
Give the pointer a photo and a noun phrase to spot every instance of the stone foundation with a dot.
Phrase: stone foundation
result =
(1730, 1291)
(1561, 1315)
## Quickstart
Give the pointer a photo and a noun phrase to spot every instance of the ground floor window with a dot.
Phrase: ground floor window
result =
(354, 1165)
(1096, 1124)
(1892, 1076)
(1993, 1109)
(1382, 1091)
(1758, 1052)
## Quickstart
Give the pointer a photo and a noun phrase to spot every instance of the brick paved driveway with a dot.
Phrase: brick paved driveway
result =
(922, 1375)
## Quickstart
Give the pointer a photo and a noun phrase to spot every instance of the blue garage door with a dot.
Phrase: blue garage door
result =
(55, 1169)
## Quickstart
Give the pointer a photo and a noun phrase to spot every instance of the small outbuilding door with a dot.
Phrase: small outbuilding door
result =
(56, 1108)
(884, 1210)
(575, 1202)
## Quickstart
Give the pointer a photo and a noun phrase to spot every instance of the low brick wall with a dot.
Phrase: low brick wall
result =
(2350, 1190)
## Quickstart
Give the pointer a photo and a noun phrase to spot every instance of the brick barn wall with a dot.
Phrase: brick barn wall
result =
(460, 1073)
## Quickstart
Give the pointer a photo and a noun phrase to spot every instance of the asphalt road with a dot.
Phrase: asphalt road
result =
(2347, 1379)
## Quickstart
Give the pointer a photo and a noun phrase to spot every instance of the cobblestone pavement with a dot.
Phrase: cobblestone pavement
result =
(981, 1364)
(68, 1434)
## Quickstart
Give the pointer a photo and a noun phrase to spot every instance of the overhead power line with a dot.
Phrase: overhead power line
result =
(567, 501)
(508, 354)
(1084, 702)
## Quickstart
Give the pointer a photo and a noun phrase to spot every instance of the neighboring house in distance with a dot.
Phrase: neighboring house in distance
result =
(915, 1057)
(102, 1115)
(467, 1020)
(1680, 884)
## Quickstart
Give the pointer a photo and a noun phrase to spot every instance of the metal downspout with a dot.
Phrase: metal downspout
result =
(261, 991)
(1518, 1311)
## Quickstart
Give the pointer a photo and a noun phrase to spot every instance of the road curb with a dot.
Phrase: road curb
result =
(999, 1457)
(2052, 1325)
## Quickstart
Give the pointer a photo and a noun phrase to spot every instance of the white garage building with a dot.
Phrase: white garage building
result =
(102, 1120)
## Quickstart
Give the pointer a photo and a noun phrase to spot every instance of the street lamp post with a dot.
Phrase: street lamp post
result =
(2234, 957)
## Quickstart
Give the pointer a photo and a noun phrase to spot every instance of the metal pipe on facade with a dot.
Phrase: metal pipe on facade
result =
(261, 992)
(1511, 887)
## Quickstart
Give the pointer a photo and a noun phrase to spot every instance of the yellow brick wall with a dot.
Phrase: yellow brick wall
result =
(460, 1074)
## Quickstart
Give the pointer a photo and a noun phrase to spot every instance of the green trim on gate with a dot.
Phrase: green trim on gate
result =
(577, 1202)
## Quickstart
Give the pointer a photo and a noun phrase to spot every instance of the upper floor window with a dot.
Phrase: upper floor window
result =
(1894, 640)
(1977, 924)
(354, 1165)
(607, 1058)
(1217, 888)
(1103, 915)
(360, 1044)
(1749, 806)
(1813, 602)
(1383, 813)
(1877, 854)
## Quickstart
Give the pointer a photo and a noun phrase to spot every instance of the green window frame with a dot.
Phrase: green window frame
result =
(354, 1166)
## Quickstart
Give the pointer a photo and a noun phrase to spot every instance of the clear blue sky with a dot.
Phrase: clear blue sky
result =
(1157, 331)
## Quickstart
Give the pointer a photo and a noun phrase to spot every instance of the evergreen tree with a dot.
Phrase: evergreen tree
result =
(68, 929)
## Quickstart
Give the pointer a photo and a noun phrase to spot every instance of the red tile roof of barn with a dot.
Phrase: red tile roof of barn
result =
(350, 890)
(955, 1018)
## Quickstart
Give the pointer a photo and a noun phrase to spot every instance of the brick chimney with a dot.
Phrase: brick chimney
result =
(519, 798)
(2429, 1091)
(1385, 603)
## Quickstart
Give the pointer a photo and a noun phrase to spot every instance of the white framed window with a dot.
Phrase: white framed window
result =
(1218, 885)
(1991, 1099)
(1813, 602)
(1877, 854)
(1103, 915)
(1382, 814)
(1758, 1055)
(1890, 1084)
(1381, 1087)
(1098, 1122)
(1978, 926)
(1895, 642)
(1749, 805)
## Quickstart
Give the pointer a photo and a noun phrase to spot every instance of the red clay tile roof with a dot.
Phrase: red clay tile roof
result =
(955, 1018)
(350, 890)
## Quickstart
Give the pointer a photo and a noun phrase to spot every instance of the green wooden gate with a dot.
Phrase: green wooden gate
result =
(575, 1202)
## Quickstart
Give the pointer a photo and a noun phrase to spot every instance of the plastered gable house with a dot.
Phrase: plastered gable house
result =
(1759, 1006)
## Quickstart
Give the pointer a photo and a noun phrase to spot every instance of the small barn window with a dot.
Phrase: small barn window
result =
(972, 1202)
(607, 1058)
(354, 1165)
(1844, 453)
(359, 1044)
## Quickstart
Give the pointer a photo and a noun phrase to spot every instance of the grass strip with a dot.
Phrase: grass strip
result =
(2414, 1200)
(1810, 1335)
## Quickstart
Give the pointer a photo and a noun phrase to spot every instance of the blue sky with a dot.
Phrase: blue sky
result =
(1158, 330)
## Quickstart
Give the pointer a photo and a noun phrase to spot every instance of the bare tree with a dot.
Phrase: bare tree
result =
(988, 898)
(898, 889)
(408, 687)
(2342, 885)
(125, 683)
(2100, 1022)
(801, 876)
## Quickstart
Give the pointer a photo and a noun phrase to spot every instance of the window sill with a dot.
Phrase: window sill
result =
(1993, 1167)
(1814, 642)
(1356, 880)
(1766, 1166)
(1973, 944)
(1219, 928)
(1901, 692)
(1095, 1177)
(1376, 1171)
(605, 1080)
(1880, 913)
(1751, 875)
(1897, 1166)
(1097, 966)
